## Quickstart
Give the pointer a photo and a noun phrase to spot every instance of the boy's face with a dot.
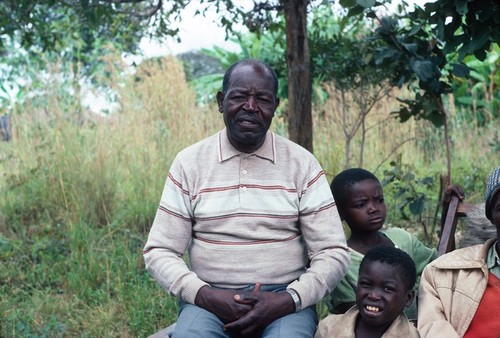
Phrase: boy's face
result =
(364, 209)
(381, 295)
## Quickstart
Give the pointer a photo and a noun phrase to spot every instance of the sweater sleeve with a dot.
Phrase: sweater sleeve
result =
(169, 238)
(325, 240)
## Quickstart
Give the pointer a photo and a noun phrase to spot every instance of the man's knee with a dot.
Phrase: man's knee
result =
(300, 325)
(195, 322)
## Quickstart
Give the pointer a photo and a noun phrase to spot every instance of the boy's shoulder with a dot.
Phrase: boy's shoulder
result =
(399, 235)
(401, 327)
(338, 325)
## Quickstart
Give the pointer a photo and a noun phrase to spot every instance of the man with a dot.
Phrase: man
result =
(255, 213)
(460, 291)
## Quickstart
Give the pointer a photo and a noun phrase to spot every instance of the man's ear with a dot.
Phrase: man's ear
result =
(220, 100)
(410, 295)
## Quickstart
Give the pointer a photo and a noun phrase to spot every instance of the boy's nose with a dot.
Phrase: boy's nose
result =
(374, 294)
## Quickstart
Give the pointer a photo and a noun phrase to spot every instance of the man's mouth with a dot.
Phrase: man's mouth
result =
(248, 122)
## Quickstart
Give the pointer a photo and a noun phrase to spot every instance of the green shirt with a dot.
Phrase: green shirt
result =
(493, 260)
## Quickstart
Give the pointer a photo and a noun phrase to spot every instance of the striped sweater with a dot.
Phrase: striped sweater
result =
(266, 217)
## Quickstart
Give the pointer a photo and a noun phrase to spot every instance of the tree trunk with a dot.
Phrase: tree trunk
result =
(300, 129)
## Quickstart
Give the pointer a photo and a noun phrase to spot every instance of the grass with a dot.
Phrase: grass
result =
(78, 193)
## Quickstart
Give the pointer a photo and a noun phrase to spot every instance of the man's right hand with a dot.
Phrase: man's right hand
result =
(221, 303)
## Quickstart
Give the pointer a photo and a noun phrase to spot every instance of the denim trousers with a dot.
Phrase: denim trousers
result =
(195, 322)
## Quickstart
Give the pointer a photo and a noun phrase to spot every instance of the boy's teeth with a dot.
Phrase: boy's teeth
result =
(372, 308)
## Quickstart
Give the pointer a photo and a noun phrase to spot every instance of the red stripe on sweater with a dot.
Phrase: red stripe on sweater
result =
(170, 212)
(178, 184)
(316, 178)
(245, 243)
(245, 215)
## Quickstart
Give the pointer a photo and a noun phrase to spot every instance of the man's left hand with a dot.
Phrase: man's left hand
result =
(268, 306)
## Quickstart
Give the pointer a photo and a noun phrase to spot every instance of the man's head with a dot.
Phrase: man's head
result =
(492, 197)
(360, 199)
(248, 101)
(386, 279)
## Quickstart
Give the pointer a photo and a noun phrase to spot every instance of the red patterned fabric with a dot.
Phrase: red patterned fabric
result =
(486, 321)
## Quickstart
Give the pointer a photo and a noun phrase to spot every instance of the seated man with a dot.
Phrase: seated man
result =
(385, 287)
(460, 291)
(255, 214)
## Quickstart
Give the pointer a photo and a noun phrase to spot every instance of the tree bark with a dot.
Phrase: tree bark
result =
(300, 128)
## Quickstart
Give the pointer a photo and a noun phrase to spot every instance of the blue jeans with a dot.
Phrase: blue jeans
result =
(194, 321)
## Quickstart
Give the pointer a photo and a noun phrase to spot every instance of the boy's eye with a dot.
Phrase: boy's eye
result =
(359, 205)
(389, 288)
(364, 284)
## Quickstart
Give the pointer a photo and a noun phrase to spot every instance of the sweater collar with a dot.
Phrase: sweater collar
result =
(226, 150)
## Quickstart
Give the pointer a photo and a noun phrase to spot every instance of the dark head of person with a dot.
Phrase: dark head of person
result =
(492, 204)
(387, 276)
(248, 101)
(343, 183)
(492, 194)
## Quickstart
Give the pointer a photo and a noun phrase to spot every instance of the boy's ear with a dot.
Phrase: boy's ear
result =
(410, 295)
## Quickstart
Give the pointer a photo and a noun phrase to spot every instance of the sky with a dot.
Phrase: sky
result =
(195, 31)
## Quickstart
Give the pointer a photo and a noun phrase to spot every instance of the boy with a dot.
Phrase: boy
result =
(386, 279)
(460, 291)
(360, 202)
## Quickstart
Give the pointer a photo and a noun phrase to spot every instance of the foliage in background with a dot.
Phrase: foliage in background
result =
(477, 98)
(34, 34)
(49, 25)
(78, 193)
(424, 48)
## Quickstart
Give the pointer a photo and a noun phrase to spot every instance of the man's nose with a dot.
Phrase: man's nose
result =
(251, 104)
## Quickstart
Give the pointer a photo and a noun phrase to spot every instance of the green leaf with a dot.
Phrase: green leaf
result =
(386, 53)
(347, 3)
(424, 69)
(356, 10)
(436, 118)
(462, 7)
(417, 205)
(366, 3)
(460, 70)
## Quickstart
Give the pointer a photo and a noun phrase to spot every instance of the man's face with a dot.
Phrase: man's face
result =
(495, 211)
(381, 295)
(248, 106)
(364, 209)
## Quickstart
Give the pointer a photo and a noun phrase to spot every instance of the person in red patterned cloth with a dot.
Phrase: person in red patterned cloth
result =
(459, 292)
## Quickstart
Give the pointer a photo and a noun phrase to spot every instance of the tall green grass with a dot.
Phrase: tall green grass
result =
(78, 193)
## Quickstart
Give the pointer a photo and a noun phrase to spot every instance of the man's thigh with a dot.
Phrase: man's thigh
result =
(195, 322)
(296, 325)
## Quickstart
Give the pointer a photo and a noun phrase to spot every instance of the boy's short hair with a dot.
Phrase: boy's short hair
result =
(395, 257)
(346, 179)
